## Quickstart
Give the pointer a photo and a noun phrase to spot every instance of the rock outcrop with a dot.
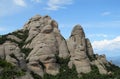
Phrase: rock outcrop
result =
(100, 62)
(46, 42)
(11, 52)
(78, 50)
(36, 47)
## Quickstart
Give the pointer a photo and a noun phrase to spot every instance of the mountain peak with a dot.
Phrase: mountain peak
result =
(41, 50)
(78, 30)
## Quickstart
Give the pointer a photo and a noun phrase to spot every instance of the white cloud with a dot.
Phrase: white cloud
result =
(57, 4)
(38, 1)
(105, 13)
(98, 35)
(103, 24)
(20, 3)
(8, 7)
(107, 45)
(2, 29)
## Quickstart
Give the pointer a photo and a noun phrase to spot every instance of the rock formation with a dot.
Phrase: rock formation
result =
(78, 50)
(11, 52)
(36, 47)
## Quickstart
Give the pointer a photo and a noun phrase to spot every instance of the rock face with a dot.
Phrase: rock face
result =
(100, 62)
(78, 50)
(41, 38)
(46, 43)
(11, 52)
(89, 48)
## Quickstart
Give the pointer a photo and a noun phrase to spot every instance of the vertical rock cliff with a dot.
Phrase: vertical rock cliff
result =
(78, 50)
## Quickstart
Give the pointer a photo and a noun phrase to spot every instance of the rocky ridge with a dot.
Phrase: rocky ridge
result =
(37, 47)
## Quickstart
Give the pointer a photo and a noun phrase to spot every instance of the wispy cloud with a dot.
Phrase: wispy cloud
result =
(37, 1)
(112, 45)
(57, 4)
(106, 13)
(2, 29)
(20, 3)
(103, 24)
(98, 35)
(8, 7)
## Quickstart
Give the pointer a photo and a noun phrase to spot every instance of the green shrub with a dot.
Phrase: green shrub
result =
(26, 51)
(9, 71)
(35, 76)
(2, 39)
(65, 71)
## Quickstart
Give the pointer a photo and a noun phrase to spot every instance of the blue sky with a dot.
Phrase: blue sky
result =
(99, 18)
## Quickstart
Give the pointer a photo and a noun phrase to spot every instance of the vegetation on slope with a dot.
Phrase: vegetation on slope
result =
(8, 71)
(66, 73)
(21, 35)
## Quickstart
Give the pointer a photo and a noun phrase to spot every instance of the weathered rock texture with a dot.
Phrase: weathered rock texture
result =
(46, 42)
(41, 38)
(78, 50)
(11, 52)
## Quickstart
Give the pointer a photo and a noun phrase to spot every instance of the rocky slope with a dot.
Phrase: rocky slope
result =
(38, 48)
